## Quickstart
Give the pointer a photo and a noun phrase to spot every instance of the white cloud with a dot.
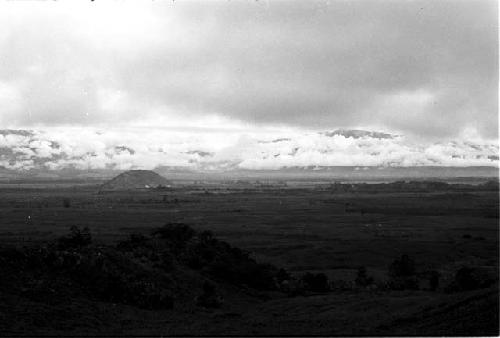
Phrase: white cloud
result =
(257, 148)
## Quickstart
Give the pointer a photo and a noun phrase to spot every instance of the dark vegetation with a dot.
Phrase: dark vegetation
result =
(140, 271)
(283, 262)
(66, 202)
(137, 271)
(209, 298)
(403, 274)
(472, 278)
(315, 282)
(177, 243)
(362, 278)
(76, 268)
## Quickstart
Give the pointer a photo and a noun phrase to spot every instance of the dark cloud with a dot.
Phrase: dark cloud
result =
(421, 67)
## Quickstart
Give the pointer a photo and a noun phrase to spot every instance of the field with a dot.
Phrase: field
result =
(302, 226)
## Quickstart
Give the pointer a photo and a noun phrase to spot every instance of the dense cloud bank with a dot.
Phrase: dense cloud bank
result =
(215, 149)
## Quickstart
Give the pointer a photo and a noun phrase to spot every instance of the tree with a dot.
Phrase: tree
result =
(76, 239)
(362, 279)
(209, 298)
(404, 267)
(282, 275)
(176, 234)
(468, 278)
(316, 282)
(66, 202)
(402, 272)
(433, 280)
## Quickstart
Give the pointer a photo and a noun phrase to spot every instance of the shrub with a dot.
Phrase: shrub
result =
(207, 237)
(403, 267)
(77, 238)
(112, 276)
(178, 234)
(202, 251)
(465, 279)
(316, 282)
(224, 262)
(362, 279)
(201, 254)
(433, 280)
(166, 262)
(293, 287)
(261, 276)
(66, 202)
(403, 283)
(243, 272)
(147, 295)
(468, 278)
(134, 241)
(402, 274)
(282, 275)
(209, 298)
(342, 285)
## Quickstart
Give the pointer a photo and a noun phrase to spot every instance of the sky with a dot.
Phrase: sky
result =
(427, 70)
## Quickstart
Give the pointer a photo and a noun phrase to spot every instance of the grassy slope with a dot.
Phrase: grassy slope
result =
(391, 313)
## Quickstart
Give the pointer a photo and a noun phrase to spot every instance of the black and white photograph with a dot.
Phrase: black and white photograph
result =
(249, 168)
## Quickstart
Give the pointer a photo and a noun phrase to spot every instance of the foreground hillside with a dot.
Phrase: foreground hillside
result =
(176, 281)
(174, 269)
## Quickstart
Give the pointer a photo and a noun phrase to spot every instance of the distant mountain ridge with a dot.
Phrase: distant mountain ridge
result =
(356, 133)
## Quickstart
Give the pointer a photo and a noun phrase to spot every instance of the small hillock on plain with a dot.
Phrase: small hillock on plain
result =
(134, 180)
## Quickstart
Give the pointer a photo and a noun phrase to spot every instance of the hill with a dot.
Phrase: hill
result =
(177, 281)
(135, 179)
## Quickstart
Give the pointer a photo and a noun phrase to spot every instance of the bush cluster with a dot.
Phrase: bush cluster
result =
(316, 282)
(77, 238)
(469, 278)
(362, 278)
(177, 243)
(210, 297)
(223, 262)
(402, 274)
(103, 273)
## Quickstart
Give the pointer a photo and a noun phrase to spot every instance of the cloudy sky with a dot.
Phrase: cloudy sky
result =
(427, 70)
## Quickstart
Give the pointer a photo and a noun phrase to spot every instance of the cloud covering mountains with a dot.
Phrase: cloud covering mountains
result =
(148, 148)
